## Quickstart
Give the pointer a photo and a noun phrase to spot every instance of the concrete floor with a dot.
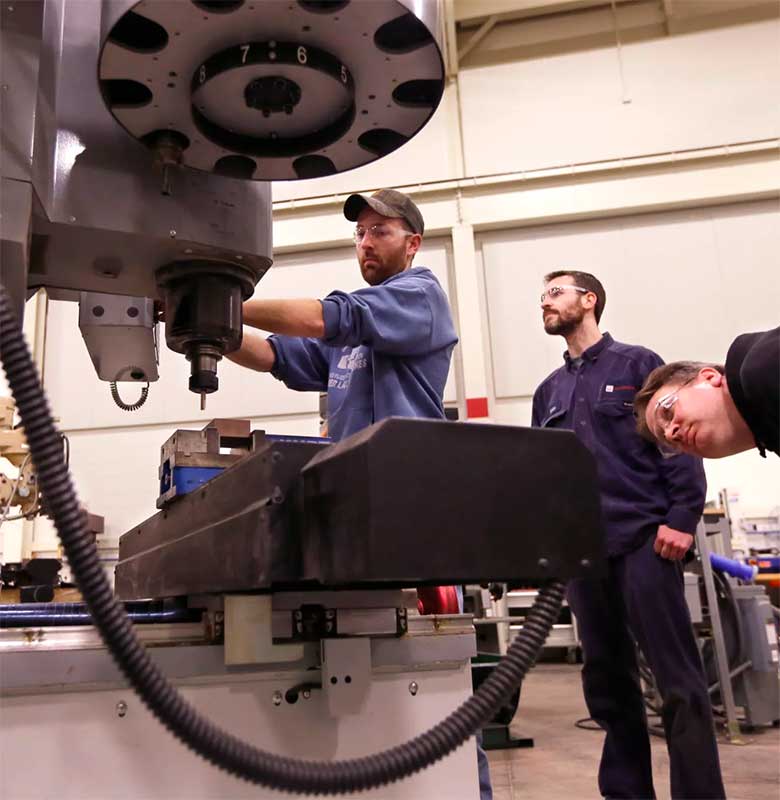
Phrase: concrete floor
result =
(564, 760)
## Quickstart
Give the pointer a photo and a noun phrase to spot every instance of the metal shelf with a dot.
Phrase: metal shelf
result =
(560, 635)
(523, 598)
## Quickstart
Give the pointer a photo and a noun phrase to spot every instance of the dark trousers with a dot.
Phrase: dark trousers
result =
(483, 767)
(642, 599)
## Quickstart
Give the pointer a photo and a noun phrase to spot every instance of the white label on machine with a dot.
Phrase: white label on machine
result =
(771, 637)
(771, 634)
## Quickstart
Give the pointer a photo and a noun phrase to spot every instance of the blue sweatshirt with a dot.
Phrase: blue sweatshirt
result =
(386, 352)
(640, 490)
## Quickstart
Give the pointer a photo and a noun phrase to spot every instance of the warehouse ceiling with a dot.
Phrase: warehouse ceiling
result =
(483, 32)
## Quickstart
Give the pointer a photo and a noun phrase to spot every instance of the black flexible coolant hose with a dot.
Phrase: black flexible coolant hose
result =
(215, 745)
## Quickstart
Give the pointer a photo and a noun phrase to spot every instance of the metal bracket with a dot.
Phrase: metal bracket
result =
(310, 623)
(477, 37)
(346, 674)
(313, 622)
(248, 639)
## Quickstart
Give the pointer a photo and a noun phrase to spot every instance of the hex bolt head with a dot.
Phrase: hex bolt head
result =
(413, 688)
(277, 698)
(121, 708)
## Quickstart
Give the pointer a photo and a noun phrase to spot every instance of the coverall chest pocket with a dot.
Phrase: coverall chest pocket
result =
(615, 408)
(614, 418)
(616, 399)
(554, 417)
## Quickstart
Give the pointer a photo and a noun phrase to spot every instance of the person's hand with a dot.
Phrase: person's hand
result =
(672, 544)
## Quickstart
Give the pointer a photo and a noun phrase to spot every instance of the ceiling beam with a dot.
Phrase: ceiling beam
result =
(450, 39)
(477, 37)
(470, 13)
(668, 6)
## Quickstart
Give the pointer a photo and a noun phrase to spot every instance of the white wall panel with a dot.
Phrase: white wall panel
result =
(756, 479)
(665, 292)
(681, 283)
(711, 87)
(516, 411)
(81, 401)
(696, 90)
(515, 263)
(748, 262)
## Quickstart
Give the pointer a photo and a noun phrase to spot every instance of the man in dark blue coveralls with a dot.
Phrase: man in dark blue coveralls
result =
(650, 508)
(381, 351)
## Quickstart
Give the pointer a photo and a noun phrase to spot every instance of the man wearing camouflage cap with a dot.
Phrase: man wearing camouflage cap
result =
(381, 351)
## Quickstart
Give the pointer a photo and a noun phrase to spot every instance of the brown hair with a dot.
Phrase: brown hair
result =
(678, 373)
(586, 281)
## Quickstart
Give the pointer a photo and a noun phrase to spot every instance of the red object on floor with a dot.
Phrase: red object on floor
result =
(437, 600)
(476, 407)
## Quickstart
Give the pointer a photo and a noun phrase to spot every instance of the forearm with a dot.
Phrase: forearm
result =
(287, 317)
(255, 353)
(686, 488)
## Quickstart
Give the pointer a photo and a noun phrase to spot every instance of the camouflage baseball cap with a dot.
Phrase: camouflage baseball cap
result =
(388, 203)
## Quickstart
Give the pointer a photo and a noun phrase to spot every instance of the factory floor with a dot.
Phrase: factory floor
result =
(564, 760)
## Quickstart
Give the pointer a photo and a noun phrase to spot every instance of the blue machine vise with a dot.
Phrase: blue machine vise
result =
(188, 459)
(191, 458)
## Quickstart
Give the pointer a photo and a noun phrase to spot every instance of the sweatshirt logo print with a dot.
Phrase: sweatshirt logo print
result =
(350, 361)
(356, 359)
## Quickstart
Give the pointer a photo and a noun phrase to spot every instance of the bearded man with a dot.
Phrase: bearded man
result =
(650, 508)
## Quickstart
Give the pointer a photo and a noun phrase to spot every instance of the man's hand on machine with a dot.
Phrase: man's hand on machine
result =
(672, 544)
